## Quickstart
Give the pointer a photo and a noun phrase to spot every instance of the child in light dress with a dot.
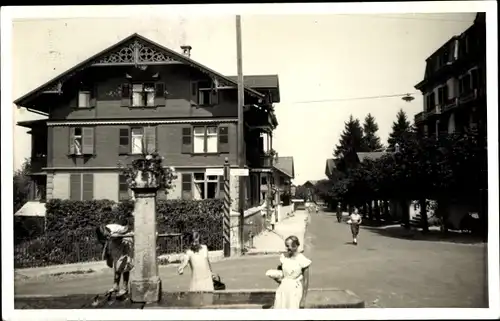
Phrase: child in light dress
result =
(201, 270)
(292, 275)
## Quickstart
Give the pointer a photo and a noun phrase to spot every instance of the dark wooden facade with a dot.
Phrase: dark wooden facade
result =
(140, 93)
(454, 86)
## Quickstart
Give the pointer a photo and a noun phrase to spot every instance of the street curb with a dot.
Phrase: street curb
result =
(307, 236)
(263, 252)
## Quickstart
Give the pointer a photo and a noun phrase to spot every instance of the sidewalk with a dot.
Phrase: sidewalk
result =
(265, 243)
(272, 242)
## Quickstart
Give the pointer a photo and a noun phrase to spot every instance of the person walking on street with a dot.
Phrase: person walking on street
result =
(339, 212)
(355, 221)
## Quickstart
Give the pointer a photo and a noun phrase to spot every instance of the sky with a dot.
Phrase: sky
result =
(317, 58)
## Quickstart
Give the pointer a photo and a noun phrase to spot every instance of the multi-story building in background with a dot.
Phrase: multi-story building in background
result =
(454, 85)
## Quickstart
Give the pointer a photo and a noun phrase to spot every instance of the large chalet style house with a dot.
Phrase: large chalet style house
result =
(138, 95)
(454, 86)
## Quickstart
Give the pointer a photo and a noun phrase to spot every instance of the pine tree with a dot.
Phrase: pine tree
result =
(351, 139)
(370, 138)
(399, 128)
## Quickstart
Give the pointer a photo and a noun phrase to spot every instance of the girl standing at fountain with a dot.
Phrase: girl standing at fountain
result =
(118, 252)
(201, 270)
(294, 282)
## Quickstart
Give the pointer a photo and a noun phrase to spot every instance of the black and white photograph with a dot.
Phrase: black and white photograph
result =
(332, 158)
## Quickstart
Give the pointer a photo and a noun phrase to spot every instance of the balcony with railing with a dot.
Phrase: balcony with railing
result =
(468, 96)
(420, 117)
(38, 162)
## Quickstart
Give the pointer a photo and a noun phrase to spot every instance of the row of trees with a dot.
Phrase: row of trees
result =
(445, 168)
(21, 186)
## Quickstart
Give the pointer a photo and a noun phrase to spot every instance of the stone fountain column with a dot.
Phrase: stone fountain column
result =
(145, 284)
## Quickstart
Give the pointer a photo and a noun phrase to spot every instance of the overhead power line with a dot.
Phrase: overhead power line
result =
(351, 99)
(407, 18)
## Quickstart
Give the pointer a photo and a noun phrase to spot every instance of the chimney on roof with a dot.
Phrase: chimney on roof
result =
(186, 50)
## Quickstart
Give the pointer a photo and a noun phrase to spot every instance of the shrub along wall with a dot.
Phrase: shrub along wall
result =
(69, 236)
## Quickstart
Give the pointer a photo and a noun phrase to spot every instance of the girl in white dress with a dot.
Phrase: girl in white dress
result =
(201, 270)
(294, 279)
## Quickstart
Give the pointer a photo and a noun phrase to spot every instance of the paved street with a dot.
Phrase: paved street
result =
(392, 272)
(384, 271)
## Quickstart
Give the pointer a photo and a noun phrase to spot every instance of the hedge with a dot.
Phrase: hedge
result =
(73, 222)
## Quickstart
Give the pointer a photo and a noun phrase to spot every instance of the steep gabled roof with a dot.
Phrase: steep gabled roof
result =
(285, 165)
(259, 81)
(311, 182)
(95, 58)
(370, 155)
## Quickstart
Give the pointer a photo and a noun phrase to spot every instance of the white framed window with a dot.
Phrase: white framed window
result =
(143, 95)
(137, 140)
(84, 97)
(205, 186)
(211, 139)
(199, 139)
(205, 87)
(78, 141)
(205, 139)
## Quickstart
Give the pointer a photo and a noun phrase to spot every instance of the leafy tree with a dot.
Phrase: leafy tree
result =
(301, 192)
(371, 140)
(22, 182)
(351, 139)
(401, 126)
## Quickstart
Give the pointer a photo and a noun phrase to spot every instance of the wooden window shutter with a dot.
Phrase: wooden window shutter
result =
(194, 93)
(88, 140)
(87, 187)
(124, 141)
(187, 186)
(223, 139)
(93, 96)
(125, 95)
(221, 187)
(75, 187)
(123, 189)
(214, 97)
(160, 99)
(187, 140)
(150, 139)
(71, 140)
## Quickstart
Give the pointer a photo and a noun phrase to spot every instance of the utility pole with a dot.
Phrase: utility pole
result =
(241, 139)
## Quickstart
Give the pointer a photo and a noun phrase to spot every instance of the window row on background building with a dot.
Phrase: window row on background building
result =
(453, 88)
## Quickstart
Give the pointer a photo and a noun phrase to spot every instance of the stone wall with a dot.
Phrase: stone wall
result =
(284, 211)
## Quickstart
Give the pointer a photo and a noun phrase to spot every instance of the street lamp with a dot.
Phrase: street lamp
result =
(408, 98)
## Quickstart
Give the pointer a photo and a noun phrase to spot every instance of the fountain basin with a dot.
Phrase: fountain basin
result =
(330, 298)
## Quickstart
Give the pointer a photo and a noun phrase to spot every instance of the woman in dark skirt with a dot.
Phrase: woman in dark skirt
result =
(118, 251)
(355, 221)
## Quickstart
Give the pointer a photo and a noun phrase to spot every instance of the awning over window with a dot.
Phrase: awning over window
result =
(32, 208)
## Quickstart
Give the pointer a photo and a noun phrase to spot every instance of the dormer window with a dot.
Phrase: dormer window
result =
(84, 97)
(203, 93)
(143, 95)
(148, 94)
